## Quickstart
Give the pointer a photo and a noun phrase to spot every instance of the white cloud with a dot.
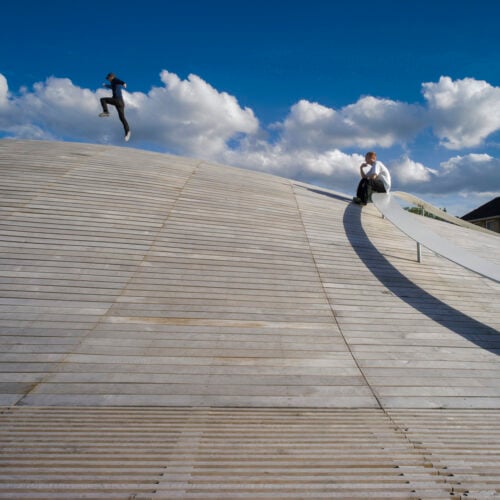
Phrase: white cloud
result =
(187, 117)
(472, 173)
(383, 123)
(462, 112)
(54, 109)
(370, 122)
(408, 172)
(331, 168)
(190, 117)
(469, 173)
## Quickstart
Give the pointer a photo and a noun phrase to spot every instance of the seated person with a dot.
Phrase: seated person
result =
(377, 178)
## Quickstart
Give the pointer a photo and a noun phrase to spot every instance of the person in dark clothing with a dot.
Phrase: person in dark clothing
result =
(375, 179)
(115, 84)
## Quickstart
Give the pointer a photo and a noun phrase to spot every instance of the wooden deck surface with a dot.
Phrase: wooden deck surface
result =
(137, 278)
(132, 279)
(222, 453)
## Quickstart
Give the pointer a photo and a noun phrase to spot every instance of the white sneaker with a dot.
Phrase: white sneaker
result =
(127, 136)
(103, 114)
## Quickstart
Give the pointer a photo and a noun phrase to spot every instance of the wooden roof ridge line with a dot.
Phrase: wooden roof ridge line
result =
(409, 225)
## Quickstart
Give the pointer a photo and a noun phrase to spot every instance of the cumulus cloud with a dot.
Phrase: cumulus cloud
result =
(462, 112)
(187, 117)
(190, 117)
(332, 168)
(408, 172)
(472, 173)
(367, 123)
(55, 109)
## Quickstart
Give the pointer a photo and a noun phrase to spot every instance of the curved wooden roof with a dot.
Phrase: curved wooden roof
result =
(248, 333)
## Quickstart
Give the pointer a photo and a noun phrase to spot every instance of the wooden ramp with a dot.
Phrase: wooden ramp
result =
(175, 328)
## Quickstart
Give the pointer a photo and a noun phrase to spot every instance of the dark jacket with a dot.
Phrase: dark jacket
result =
(116, 86)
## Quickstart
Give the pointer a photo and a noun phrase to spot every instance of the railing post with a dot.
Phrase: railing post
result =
(419, 247)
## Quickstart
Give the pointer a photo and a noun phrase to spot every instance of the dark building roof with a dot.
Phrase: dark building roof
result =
(490, 209)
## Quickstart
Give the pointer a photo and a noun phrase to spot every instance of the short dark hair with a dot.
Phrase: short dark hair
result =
(110, 75)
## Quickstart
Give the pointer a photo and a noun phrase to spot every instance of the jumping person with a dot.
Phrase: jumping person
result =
(115, 84)
(377, 179)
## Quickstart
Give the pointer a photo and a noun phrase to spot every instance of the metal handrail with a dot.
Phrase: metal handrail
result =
(409, 225)
(442, 215)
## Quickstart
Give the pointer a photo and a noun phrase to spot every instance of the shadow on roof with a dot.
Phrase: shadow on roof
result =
(480, 334)
(336, 196)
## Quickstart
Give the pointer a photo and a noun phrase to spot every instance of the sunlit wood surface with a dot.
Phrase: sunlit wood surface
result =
(139, 287)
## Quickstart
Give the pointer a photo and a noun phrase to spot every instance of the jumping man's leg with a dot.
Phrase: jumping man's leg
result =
(104, 103)
(120, 107)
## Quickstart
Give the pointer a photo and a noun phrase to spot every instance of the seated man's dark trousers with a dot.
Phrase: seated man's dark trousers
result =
(366, 187)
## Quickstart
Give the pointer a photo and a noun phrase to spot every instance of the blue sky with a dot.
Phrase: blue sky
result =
(299, 89)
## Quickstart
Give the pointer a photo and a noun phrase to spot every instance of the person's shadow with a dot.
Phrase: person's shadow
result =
(471, 329)
(336, 196)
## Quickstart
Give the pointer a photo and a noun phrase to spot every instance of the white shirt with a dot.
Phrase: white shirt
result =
(382, 173)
